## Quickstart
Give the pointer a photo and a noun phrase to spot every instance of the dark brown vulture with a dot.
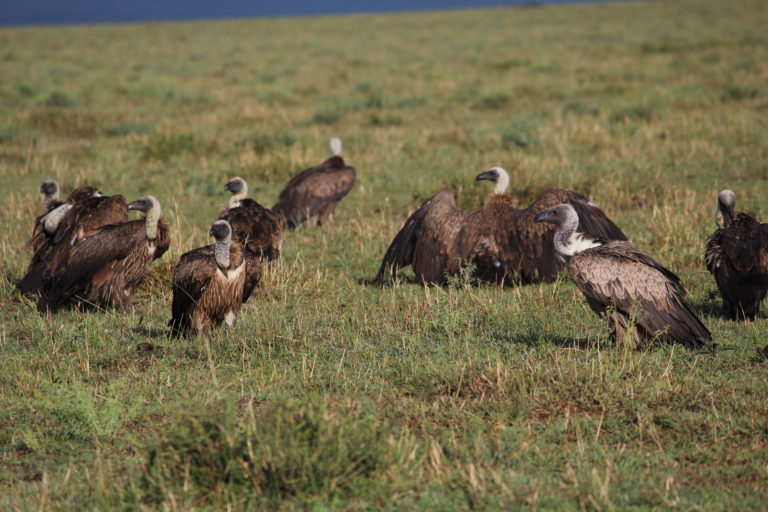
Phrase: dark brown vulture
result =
(258, 229)
(49, 232)
(313, 194)
(737, 255)
(624, 285)
(210, 284)
(104, 268)
(505, 243)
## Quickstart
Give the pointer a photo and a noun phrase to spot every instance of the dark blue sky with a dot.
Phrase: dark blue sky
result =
(21, 12)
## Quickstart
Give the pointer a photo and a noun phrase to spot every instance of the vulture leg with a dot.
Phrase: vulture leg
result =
(326, 214)
(624, 332)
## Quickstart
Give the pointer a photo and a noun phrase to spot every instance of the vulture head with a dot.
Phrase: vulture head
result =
(726, 207)
(151, 208)
(239, 189)
(561, 215)
(335, 146)
(50, 189)
(567, 241)
(497, 175)
(221, 231)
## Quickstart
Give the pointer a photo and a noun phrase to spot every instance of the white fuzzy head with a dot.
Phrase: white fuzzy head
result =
(335, 146)
(498, 176)
(239, 189)
(726, 208)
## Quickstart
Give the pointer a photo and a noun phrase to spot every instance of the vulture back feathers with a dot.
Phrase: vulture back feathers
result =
(209, 284)
(258, 229)
(625, 285)
(737, 256)
(313, 194)
(504, 243)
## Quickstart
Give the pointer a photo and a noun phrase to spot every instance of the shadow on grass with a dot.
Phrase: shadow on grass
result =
(536, 339)
(150, 332)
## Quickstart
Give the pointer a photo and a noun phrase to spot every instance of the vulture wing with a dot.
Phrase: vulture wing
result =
(400, 251)
(90, 214)
(191, 277)
(618, 275)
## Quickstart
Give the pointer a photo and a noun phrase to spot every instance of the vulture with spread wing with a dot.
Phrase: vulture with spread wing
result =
(503, 242)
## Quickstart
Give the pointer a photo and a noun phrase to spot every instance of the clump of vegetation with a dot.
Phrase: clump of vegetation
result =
(282, 452)
(59, 99)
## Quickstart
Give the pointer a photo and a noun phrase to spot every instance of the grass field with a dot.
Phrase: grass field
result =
(332, 393)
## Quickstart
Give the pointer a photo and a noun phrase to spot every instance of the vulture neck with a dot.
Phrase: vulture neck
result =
(501, 184)
(52, 220)
(568, 242)
(50, 199)
(221, 252)
(151, 220)
(234, 201)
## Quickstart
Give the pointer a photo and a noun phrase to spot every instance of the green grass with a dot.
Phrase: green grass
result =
(331, 393)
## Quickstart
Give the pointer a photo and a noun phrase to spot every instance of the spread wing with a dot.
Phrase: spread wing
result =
(618, 275)
(592, 220)
(312, 190)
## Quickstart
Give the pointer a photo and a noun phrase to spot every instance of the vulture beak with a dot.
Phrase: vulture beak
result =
(487, 175)
(210, 233)
(138, 204)
(543, 216)
(227, 187)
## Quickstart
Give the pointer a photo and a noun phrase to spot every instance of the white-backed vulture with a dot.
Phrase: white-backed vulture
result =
(504, 243)
(209, 284)
(104, 268)
(737, 255)
(640, 297)
(258, 229)
(313, 194)
(47, 233)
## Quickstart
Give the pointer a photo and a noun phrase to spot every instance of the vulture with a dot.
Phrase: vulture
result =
(256, 228)
(57, 224)
(313, 194)
(737, 255)
(103, 268)
(640, 297)
(210, 284)
(503, 242)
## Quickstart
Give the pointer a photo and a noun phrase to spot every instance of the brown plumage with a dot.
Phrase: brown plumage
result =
(104, 268)
(624, 285)
(210, 284)
(505, 243)
(50, 229)
(258, 229)
(313, 194)
(737, 256)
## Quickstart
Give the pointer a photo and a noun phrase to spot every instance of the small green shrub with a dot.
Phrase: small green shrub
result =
(263, 142)
(164, 147)
(287, 451)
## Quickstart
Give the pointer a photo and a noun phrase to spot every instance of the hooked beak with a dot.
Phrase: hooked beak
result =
(134, 205)
(227, 188)
(487, 175)
(542, 217)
